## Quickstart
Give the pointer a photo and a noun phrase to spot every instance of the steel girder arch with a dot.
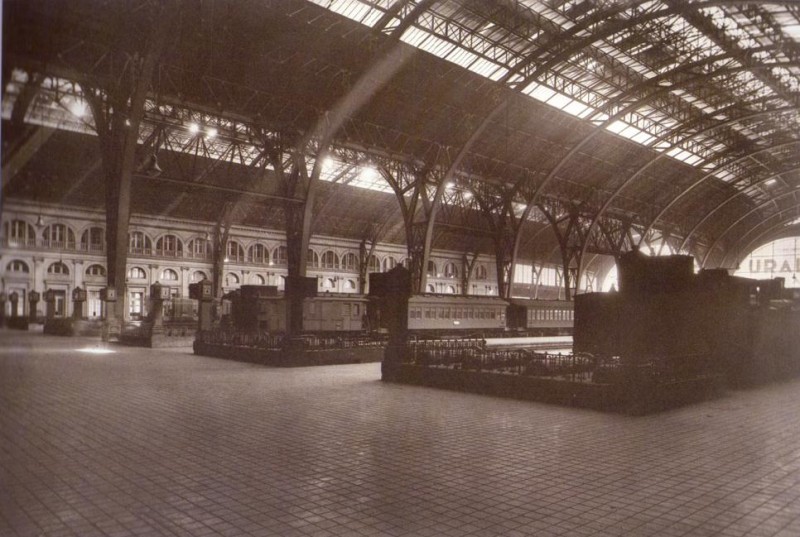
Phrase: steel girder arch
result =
(498, 210)
(605, 264)
(711, 174)
(663, 154)
(568, 224)
(778, 231)
(418, 191)
(642, 169)
(396, 31)
(732, 197)
(659, 91)
(763, 237)
(794, 192)
(529, 241)
(662, 90)
(558, 55)
(701, 22)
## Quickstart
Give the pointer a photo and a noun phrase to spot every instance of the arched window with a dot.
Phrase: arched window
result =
(19, 233)
(95, 270)
(234, 252)
(199, 248)
(231, 279)
(137, 273)
(389, 263)
(430, 288)
(431, 268)
(18, 266)
(349, 285)
(58, 268)
(258, 253)
(450, 289)
(280, 256)
(198, 275)
(328, 283)
(329, 260)
(169, 275)
(373, 264)
(258, 279)
(350, 262)
(169, 246)
(139, 243)
(451, 270)
(313, 259)
(93, 240)
(58, 236)
(480, 272)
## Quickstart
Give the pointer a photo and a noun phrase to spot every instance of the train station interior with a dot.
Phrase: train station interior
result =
(400, 268)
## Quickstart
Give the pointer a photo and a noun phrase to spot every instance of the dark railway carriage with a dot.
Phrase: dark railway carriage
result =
(335, 313)
(262, 308)
(541, 317)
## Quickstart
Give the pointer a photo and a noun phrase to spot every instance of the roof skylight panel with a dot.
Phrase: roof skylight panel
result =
(538, 91)
(488, 69)
(462, 57)
(372, 17)
(414, 36)
(437, 46)
(351, 9)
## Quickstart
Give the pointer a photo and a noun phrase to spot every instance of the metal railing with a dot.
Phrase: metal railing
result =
(269, 341)
(472, 355)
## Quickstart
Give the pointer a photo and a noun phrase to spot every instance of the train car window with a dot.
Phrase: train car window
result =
(493, 314)
(447, 313)
(311, 307)
(440, 313)
(356, 310)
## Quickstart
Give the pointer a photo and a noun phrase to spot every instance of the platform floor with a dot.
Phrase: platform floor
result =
(161, 442)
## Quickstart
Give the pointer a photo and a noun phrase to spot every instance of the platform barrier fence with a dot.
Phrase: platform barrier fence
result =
(265, 340)
(473, 355)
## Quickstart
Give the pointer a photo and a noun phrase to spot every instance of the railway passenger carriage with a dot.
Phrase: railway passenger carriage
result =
(541, 317)
(446, 313)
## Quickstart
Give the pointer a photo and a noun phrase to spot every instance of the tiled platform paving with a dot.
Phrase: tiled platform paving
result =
(161, 442)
